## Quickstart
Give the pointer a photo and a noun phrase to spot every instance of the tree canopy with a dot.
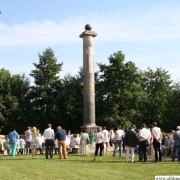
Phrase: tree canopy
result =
(124, 95)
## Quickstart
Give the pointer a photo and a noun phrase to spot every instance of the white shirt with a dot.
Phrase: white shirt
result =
(99, 137)
(49, 133)
(119, 134)
(39, 140)
(112, 134)
(21, 143)
(144, 134)
(106, 133)
(56, 143)
(156, 133)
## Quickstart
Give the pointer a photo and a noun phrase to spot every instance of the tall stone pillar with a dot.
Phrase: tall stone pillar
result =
(89, 85)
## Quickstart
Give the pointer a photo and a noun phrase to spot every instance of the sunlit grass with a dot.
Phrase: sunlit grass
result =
(82, 167)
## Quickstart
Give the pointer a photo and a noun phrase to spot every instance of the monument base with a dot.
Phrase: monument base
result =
(89, 128)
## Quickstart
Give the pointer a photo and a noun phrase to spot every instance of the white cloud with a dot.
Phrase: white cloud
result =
(156, 24)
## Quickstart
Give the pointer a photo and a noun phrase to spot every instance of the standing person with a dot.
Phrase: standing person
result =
(119, 141)
(84, 141)
(21, 145)
(157, 137)
(111, 137)
(28, 138)
(34, 143)
(144, 141)
(176, 147)
(91, 139)
(39, 143)
(13, 140)
(171, 140)
(106, 136)
(130, 142)
(99, 140)
(49, 141)
(61, 137)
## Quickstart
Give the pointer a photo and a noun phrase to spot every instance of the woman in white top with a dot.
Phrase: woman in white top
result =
(99, 140)
(84, 140)
(34, 143)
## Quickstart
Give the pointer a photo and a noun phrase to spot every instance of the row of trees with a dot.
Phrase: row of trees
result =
(124, 95)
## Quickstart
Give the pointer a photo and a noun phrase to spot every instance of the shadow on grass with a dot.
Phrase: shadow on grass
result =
(86, 159)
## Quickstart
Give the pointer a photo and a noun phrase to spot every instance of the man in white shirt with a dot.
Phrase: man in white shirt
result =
(49, 141)
(157, 137)
(119, 141)
(144, 141)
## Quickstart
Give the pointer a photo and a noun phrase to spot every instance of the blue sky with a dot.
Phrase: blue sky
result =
(147, 32)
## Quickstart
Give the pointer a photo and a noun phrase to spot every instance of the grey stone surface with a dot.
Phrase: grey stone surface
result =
(89, 84)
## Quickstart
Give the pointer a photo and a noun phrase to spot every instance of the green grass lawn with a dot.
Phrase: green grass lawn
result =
(81, 167)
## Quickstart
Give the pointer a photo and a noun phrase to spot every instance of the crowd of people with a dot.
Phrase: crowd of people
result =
(143, 142)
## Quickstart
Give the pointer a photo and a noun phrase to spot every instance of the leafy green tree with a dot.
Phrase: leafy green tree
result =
(157, 85)
(172, 115)
(118, 92)
(71, 103)
(20, 86)
(8, 102)
(47, 86)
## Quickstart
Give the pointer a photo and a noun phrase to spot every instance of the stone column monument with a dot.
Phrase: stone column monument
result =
(89, 85)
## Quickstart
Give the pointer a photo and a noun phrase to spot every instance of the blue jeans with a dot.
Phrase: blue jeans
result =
(176, 148)
(119, 144)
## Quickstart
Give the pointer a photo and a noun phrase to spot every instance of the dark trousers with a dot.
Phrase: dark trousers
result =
(99, 146)
(28, 145)
(157, 149)
(143, 150)
(176, 149)
(49, 147)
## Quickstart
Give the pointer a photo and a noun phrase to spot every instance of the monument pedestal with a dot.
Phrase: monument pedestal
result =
(89, 128)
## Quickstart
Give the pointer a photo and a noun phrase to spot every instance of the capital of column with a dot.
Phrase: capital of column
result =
(88, 32)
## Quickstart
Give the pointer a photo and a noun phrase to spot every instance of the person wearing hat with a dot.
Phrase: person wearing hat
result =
(130, 142)
(176, 147)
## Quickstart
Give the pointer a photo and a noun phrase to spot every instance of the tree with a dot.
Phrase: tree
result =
(46, 89)
(8, 102)
(118, 92)
(20, 86)
(172, 115)
(71, 103)
(13, 104)
(157, 85)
